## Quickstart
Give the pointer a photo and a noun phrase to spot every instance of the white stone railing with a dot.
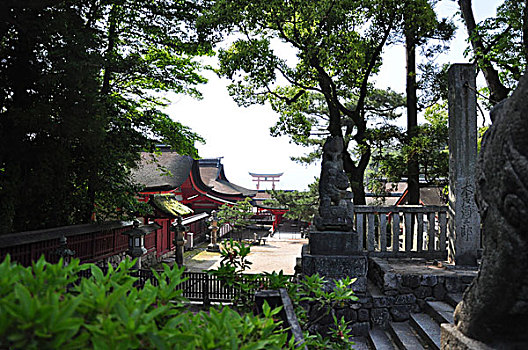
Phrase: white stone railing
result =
(420, 231)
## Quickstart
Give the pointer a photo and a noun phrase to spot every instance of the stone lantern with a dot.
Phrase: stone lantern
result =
(136, 240)
(179, 240)
(63, 251)
(213, 246)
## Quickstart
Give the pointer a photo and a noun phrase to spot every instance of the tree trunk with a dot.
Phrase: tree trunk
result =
(112, 33)
(498, 91)
(356, 173)
(525, 30)
(357, 186)
(413, 171)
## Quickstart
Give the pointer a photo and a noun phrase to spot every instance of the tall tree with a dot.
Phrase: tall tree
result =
(338, 46)
(75, 107)
(393, 151)
(413, 171)
(420, 24)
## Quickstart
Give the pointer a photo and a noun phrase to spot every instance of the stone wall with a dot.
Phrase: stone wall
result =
(397, 288)
(148, 260)
(113, 260)
(420, 279)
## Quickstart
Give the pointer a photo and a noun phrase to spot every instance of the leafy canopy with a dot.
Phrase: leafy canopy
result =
(338, 47)
(80, 86)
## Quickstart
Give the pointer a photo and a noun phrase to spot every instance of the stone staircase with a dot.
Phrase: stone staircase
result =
(421, 331)
(406, 301)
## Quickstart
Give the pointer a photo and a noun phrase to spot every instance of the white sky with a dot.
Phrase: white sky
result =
(241, 135)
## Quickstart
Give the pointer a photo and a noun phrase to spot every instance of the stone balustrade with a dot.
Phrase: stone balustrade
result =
(402, 231)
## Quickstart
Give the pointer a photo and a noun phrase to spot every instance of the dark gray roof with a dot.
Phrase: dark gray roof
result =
(212, 174)
(152, 171)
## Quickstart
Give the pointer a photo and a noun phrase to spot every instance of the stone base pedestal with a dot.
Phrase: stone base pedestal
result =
(453, 339)
(213, 248)
(334, 243)
(336, 267)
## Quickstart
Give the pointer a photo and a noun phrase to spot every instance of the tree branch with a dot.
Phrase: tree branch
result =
(498, 91)
(296, 83)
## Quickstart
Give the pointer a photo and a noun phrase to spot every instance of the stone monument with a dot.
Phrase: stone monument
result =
(464, 224)
(494, 309)
(333, 250)
(335, 203)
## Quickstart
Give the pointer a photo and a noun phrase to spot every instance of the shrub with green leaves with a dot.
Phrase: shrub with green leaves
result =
(234, 262)
(47, 306)
(314, 298)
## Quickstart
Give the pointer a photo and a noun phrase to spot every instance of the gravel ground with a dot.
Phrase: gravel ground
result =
(279, 253)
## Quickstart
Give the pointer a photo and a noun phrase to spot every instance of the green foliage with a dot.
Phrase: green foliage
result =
(234, 262)
(504, 44)
(394, 150)
(313, 297)
(301, 205)
(224, 328)
(236, 215)
(338, 47)
(78, 102)
(42, 308)
(234, 254)
(327, 90)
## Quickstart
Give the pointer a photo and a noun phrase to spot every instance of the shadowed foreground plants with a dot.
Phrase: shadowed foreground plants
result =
(46, 306)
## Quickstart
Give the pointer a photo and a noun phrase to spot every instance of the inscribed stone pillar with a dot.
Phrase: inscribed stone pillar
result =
(494, 309)
(464, 223)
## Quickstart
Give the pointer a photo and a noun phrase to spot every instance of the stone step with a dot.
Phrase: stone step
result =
(427, 328)
(379, 340)
(404, 336)
(360, 343)
(453, 298)
(440, 311)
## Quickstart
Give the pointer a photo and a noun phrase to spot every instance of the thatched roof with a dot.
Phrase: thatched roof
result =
(163, 172)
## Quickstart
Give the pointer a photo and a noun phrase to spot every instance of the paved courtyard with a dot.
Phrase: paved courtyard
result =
(279, 253)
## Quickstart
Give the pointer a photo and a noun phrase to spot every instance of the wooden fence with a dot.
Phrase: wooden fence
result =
(392, 231)
(91, 242)
(199, 286)
(407, 230)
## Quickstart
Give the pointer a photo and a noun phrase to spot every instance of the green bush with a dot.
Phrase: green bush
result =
(46, 306)
(314, 298)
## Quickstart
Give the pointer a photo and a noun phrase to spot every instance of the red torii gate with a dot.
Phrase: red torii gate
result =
(273, 178)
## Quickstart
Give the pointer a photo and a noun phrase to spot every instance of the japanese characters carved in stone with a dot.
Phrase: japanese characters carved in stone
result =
(495, 307)
(335, 206)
